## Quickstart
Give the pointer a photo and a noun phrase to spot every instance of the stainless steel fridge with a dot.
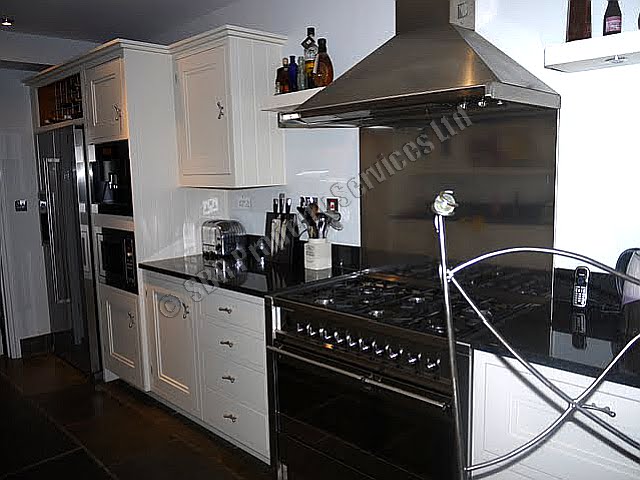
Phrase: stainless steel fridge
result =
(65, 222)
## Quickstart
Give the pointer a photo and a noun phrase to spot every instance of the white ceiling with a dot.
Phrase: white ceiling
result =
(102, 20)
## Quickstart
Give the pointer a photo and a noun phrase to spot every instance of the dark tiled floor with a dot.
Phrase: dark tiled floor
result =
(54, 423)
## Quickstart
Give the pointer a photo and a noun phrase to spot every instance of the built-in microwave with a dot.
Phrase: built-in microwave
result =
(111, 179)
(117, 259)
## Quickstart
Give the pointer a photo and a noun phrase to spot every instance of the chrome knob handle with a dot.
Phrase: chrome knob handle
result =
(363, 346)
(432, 365)
(185, 309)
(394, 355)
(227, 343)
(226, 310)
(325, 335)
(300, 328)
(350, 342)
(379, 351)
(229, 379)
(131, 319)
(220, 110)
(413, 359)
(230, 417)
(338, 339)
(310, 331)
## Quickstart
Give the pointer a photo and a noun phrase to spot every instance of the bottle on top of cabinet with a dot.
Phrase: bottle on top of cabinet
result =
(310, 53)
(579, 22)
(323, 67)
(302, 74)
(612, 18)
(293, 74)
(282, 78)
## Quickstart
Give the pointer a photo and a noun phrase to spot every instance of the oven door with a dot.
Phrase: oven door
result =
(332, 424)
(116, 259)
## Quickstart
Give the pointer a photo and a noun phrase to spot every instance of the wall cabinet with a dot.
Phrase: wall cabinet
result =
(510, 407)
(120, 330)
(172, 349)
(224, 139)
(106, 107)
(209, 359)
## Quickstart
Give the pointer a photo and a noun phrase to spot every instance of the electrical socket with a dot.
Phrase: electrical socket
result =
(210, 207)
(244, 202)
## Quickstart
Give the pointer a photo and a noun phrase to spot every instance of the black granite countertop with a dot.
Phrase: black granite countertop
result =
(255, 277)
(580, 341)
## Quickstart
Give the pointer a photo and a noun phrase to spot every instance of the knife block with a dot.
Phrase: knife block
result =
(286, 254)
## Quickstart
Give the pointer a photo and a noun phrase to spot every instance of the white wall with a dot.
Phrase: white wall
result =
(21, 47)
(316, 159)
(24, 271)
(598, 131)
(598, 161)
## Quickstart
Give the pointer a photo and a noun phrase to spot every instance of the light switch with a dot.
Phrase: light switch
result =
(21, 205)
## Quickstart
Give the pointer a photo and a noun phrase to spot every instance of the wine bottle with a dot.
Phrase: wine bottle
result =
(302, 74)
(310, 53)
(293, 74)
(323, 68)
(612, 18)
(579, 20)
(283, 77)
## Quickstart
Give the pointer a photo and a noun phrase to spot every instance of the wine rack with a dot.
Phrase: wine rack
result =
(60, 101)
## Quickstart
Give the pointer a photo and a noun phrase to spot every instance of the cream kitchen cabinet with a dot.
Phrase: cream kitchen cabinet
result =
(208, 358)
(510, 407)
(120, 331)
(171, 318)
(225, 140)
(106, 115)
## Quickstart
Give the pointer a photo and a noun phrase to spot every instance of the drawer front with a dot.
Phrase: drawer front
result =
(231, 309)
(233, 345)
(239, 422)
(235, 381)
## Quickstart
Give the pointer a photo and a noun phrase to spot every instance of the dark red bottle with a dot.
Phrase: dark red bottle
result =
(579, 20)
(612, 19)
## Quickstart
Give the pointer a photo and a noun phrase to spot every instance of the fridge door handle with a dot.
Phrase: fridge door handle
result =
(86, 257)
(53, 240)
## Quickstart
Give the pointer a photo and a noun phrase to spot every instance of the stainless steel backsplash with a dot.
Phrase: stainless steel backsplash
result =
(503, 172)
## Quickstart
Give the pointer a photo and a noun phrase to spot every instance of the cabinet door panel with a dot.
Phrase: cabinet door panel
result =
(173, 348)
(107, 110)
(203, 113)
(508, 412)
(121, 345)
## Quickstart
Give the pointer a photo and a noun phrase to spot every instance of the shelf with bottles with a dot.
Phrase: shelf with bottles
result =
(287, 102)
(60, 101)
(594, 53)
(582, 52)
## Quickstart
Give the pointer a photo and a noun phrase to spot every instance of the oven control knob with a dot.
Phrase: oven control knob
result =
(351, 343)
(414, 360)
(300, 328)
(325, 335)
(364, 346)
(432, 366)
(310, 331)
(337, 338)
(394, 355)
(378, 350)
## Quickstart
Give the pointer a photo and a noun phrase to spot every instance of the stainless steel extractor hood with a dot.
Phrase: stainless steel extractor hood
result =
(435, 62)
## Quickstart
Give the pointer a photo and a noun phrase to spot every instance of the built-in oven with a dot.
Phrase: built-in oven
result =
(334, 419)
(117, 259)
(111, 179)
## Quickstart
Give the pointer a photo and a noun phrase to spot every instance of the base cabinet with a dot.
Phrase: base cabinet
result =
(510, 407)
(119, 324)
(172, 343)
(208, 358)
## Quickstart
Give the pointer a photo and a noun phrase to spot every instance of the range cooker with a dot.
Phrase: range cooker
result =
(360, 376)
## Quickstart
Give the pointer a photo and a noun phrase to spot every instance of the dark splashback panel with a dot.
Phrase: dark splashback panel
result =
(503, 172)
